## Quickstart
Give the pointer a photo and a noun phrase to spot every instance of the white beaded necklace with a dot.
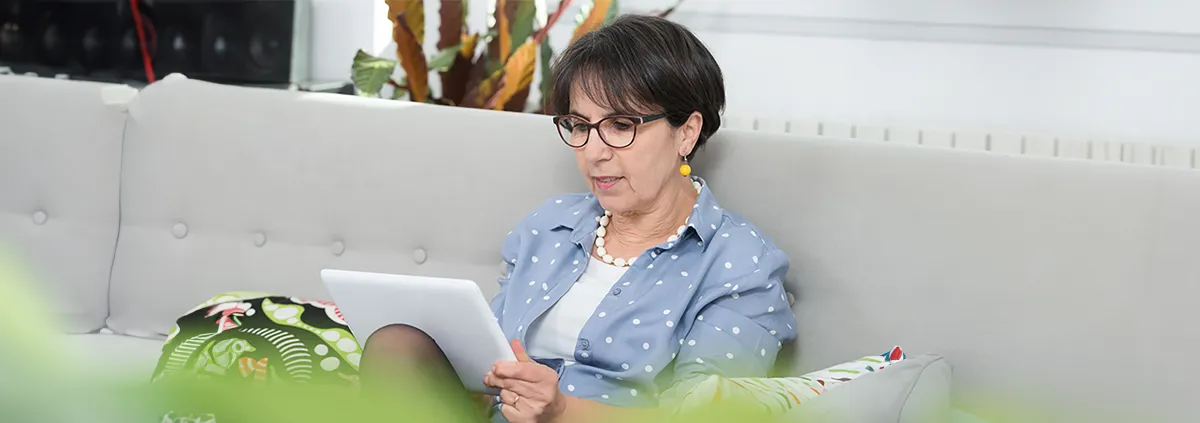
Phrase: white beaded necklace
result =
(621, 262)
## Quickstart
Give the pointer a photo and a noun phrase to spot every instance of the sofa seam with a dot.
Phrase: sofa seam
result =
(913, 386)
(112, 265)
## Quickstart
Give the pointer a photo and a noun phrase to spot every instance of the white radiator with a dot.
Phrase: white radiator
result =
(1168, 155)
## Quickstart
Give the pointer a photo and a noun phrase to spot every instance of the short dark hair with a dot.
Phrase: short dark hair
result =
(643, 65)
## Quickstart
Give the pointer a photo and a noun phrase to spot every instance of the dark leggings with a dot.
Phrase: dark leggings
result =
(403, 362)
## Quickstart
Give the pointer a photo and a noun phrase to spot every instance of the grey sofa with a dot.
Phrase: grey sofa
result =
(1064, 282)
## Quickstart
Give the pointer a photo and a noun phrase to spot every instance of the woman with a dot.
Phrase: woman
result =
(627, 295)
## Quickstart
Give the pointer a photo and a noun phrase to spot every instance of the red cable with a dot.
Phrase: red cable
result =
(137, 23)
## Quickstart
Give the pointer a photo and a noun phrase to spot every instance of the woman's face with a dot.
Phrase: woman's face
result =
(629, 179)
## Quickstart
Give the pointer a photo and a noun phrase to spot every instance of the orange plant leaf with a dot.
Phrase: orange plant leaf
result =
(594, 19)
(468, 45)
(409, 50)
(518, 73)
(505, 28)
(415, 17)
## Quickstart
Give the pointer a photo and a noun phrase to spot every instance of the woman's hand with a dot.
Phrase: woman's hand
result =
(528, 390)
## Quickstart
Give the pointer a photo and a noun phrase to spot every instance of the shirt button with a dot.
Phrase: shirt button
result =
(616, 292)
(584, 344)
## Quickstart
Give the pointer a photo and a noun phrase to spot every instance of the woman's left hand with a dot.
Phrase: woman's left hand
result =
(528, 390)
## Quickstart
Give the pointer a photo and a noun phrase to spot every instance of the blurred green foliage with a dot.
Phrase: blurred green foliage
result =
(39, 383)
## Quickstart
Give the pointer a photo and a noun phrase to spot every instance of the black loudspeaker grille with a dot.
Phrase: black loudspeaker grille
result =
(232, 41)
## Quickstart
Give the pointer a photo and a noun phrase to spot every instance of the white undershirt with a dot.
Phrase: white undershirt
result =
(555, 334)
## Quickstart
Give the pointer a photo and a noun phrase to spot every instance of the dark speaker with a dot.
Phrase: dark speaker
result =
(68, 36)
(256, 41)
(230, 41)
(14, 48)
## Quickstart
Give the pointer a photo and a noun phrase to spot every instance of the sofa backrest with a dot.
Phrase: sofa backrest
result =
(1072, 279)
(60, 164)
(1021, 270)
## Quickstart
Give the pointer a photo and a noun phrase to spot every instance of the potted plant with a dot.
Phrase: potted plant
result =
(492, 70)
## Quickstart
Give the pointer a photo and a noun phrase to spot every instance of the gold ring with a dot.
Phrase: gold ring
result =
(517, 398)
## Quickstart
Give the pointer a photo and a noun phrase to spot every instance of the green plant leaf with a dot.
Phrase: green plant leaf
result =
(369, 73)
(546, 53)
(521, 26)
(399, 93)
(491, 50)
(499, 26)
(614, 10)
(491, 34)
(441, 61)
(493, 66)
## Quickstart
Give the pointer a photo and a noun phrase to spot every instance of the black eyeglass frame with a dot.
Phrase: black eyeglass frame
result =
(639, 121)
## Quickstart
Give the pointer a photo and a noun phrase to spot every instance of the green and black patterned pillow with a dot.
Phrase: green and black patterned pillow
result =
(262, 339)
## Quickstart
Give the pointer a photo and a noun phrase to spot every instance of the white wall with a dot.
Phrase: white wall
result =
(1142, 96)
(1106, 68)
(340, 28)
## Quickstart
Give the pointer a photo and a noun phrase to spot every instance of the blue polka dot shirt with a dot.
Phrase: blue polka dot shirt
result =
(711, 303)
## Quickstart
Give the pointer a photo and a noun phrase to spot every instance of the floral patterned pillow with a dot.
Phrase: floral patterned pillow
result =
(258, 338)
(780, 395)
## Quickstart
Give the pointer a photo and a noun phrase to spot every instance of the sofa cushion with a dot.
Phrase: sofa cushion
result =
(60, 165)
(108, 355)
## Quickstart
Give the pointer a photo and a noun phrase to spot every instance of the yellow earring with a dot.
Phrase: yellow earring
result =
(685, 170)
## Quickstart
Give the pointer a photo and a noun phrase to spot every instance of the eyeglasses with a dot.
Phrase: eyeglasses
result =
(615, 131)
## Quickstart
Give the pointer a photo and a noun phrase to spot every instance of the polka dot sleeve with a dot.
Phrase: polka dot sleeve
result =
(511, 252)
(740, 330)
(512, 245)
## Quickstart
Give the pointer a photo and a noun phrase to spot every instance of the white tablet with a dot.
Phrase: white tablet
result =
(451, 311)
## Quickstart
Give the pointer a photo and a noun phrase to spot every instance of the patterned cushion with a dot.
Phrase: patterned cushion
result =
(259, 338)
(779, 395)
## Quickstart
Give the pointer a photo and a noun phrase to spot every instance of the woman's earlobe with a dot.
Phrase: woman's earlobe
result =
(689, 145)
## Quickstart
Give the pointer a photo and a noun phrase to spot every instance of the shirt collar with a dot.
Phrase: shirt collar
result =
(704, 220)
